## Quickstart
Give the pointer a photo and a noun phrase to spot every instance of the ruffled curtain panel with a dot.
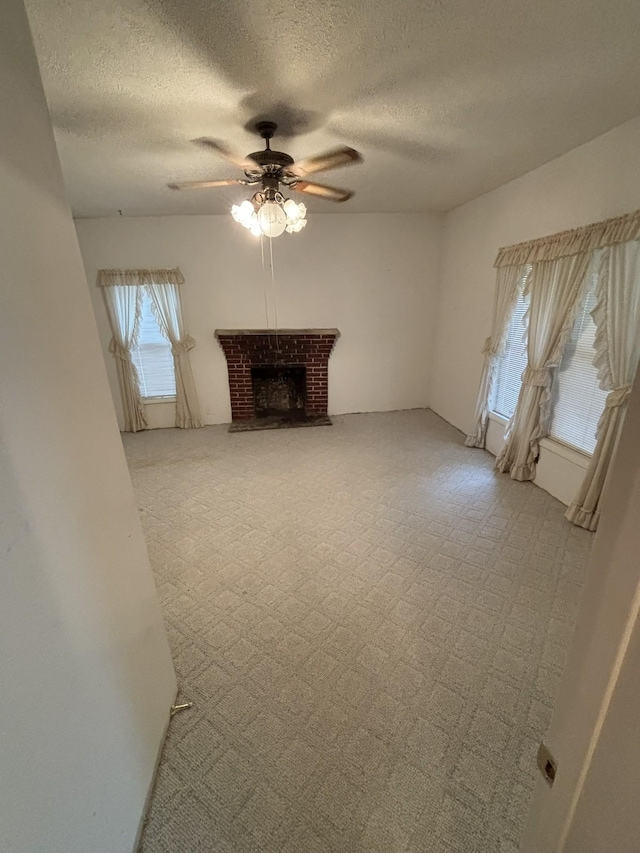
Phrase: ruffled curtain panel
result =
(122, 292)
(508, 284)
(168, 311)
(617, 346)
(553, 288)
(123, 310)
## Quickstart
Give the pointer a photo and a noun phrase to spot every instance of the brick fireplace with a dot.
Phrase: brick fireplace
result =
(302, 354)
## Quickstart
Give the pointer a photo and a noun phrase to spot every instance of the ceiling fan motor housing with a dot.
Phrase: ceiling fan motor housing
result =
(271, 158)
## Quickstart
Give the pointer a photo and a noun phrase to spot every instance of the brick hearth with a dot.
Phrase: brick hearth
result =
(247, 348)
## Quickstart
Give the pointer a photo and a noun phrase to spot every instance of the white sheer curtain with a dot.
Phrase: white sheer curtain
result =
(617, 345)
(553, 287)
(168, 311)
(509, 280)
(123, 310)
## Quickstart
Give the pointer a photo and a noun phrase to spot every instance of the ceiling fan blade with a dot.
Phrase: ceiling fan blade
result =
(329, 193)
(342, 156)
(195, 185)
(221, 149)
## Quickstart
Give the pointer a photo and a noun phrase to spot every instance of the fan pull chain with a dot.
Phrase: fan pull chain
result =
(264, 287)
(275, 299)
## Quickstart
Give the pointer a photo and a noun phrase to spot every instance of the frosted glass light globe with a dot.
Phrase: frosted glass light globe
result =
(246, 214)
(291, 209)
(272, 219)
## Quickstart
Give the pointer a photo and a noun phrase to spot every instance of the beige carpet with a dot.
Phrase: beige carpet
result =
(371, 623)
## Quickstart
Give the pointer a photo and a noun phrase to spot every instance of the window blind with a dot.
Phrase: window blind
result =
(152, 356)
(513, 362)
(578, 400)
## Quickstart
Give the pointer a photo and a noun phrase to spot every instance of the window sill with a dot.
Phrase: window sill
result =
(552, 445)
(572, 454)
(499, 419)
(152, 401)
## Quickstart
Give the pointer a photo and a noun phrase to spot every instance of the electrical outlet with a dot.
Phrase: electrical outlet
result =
(547, 764)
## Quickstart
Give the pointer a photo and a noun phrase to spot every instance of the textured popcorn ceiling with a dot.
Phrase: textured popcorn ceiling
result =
(446, 99)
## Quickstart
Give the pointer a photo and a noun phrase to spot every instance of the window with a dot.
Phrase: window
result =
(578, 400)
(513, 362)
(152, 356)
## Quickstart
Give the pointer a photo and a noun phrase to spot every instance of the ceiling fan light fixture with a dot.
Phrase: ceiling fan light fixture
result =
(270, 216)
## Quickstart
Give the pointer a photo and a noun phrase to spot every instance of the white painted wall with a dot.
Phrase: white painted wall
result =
(593, 805)
(590, 183)
(85, 669)
(373, 276)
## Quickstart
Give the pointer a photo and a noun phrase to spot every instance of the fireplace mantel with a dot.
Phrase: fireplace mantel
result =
(226, 333)
(251, 348)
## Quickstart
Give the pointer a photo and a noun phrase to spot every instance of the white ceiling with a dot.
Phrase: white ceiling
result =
(446, 99)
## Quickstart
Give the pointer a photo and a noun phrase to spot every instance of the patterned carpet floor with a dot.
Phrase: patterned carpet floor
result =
(371, 623)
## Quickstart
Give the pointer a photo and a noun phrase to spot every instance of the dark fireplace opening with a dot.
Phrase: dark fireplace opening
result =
(279, 392)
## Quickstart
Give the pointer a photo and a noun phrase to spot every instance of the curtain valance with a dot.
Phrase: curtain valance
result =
(109, 278)
(620, 229)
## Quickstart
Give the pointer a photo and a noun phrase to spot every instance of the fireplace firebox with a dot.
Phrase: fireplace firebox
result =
(279, 391)
(277, 379)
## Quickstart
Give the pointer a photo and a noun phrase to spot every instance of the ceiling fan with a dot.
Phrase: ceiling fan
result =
(269, 212)
(270, 167)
